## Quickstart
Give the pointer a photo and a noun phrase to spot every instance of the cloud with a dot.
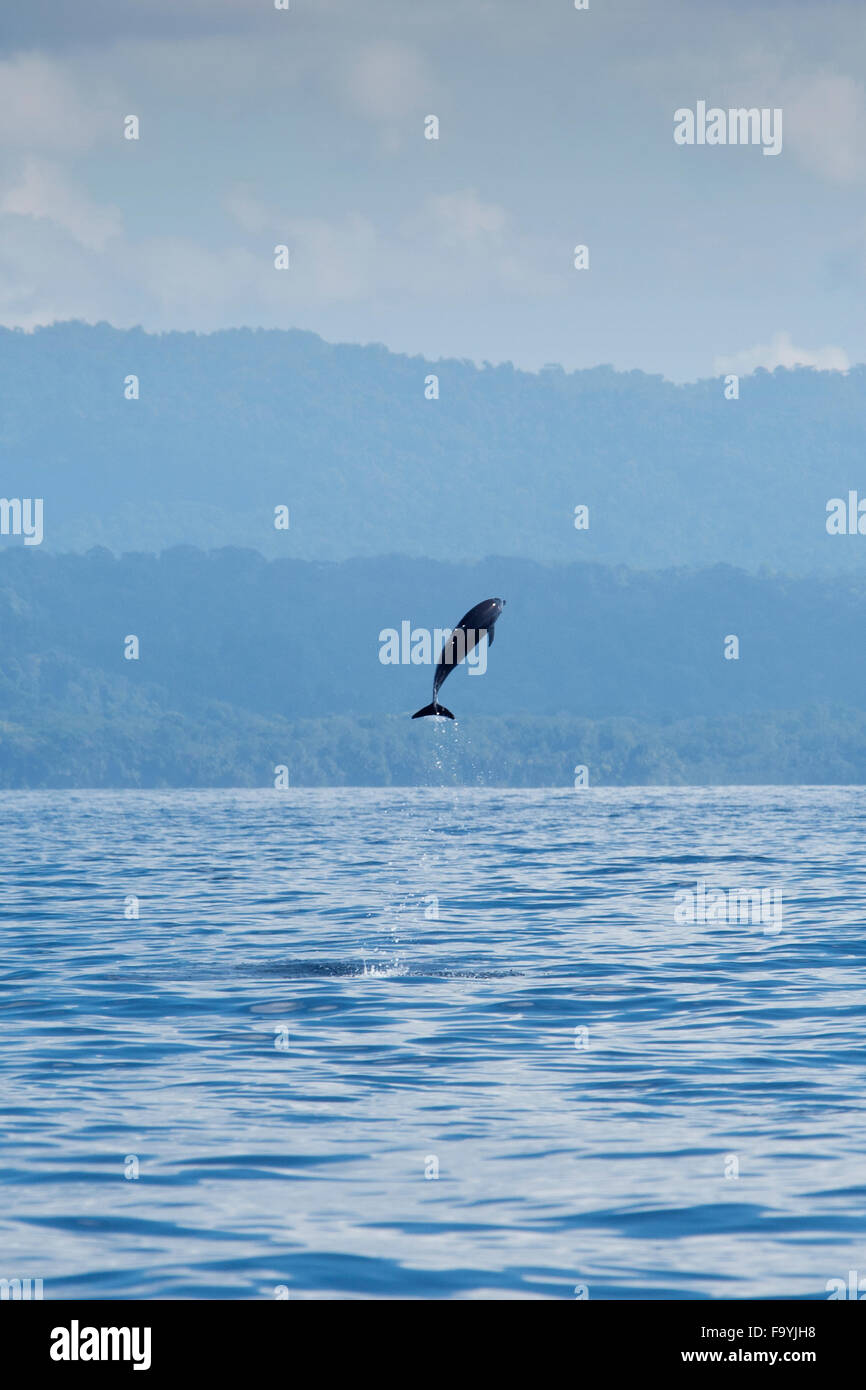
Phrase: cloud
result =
(306, 127)
(462, 219)
(331, 259)
(64, 256)
(343, 260)
(449, 238)
(44, 108)
(461, 244)
(250, 213)
(781, 352)
(45, 192)
(388, 81)
(825, 126)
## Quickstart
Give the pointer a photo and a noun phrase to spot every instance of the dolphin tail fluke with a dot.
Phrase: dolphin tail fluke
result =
(433, 709)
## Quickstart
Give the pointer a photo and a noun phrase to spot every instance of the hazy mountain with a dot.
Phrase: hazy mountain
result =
(245, 664)
(230, 425)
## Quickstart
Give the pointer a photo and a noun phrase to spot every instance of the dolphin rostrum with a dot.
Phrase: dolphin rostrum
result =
(466, 635)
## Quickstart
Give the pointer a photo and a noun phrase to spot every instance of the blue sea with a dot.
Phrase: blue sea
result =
(433, 1044)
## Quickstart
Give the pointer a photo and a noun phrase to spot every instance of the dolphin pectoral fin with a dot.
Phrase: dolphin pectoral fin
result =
(433, 709)
(491, 633)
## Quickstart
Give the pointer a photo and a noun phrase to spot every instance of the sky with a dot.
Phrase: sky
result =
(305, 127)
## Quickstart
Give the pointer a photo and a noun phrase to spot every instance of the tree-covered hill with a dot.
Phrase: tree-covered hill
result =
(230, 425)
(245, 664)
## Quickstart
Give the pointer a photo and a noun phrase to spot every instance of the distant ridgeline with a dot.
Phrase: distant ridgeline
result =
(217, 669)
(281, 442)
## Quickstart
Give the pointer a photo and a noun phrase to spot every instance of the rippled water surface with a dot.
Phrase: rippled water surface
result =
(329, 997)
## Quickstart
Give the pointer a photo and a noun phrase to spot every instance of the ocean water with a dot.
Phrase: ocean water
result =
(438, 1044)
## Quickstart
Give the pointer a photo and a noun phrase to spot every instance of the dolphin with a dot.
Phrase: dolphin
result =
(466, 635)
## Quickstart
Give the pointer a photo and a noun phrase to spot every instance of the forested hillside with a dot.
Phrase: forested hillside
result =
(230, 425)
(245, 664)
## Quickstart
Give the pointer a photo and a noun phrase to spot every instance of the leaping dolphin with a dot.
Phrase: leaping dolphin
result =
(466, 635)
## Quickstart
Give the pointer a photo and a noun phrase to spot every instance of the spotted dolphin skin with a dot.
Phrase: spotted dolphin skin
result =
(466, 635)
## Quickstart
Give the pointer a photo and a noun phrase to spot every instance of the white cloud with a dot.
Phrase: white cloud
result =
(781, 352)
(462, 219)
(825, 126)
(341, 260)
(65, 257)
(45, 106)
(388, 81)
(449, 240)
(262, 133)
(331, 260)
(45, 192)
(45, 274)
(249, 212)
